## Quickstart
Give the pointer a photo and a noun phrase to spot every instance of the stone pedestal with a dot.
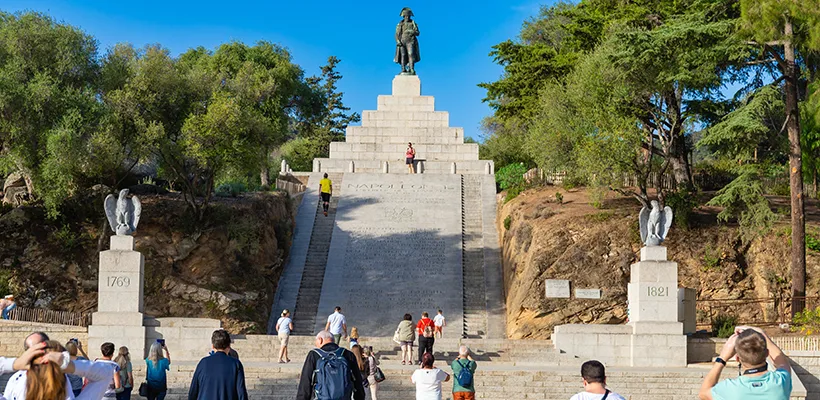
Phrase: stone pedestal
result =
(119, 316)
(653, 337)
(401, 117)
(657, 338)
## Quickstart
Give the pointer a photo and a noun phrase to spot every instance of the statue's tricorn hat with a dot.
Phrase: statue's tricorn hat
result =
(406, 10)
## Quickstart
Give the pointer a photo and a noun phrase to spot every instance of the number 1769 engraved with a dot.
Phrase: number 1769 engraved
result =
(119, 281)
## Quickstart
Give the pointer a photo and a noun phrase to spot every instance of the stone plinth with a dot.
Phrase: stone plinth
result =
(189, 339)
(119, 316)
(653, 337)
(406, 85)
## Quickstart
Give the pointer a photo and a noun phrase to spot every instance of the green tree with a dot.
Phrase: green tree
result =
(786, 32)
(53, 128)
(266, 80)
(323, 118)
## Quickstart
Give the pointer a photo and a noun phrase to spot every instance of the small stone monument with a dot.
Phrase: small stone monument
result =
(653, 337)
(119, 316)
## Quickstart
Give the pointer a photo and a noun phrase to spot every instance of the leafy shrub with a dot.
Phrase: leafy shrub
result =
(682, 202)
(513, 192)
(511, 176)
(300, 152)
(507, 222)
(231, 189)
(813, 242)
(597, 195)
(711, 258)
(808, 321)
(724, 325)
(559, 198)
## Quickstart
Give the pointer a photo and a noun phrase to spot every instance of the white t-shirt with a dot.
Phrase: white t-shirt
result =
(428, 383)
(438, 320)
(594, 396)
(98, 374)
(284, 325)
(336, 320)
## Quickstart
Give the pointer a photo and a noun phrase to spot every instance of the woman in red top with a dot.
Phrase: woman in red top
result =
(410, 157)
(425, 329)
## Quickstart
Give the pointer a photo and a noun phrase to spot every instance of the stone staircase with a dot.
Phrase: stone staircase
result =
(313, 275)
(501, 352)
(494, 380)
(475, 306)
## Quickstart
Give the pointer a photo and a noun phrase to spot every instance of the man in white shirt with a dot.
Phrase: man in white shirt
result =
(439, 322)
(594, 377)
(337, 325)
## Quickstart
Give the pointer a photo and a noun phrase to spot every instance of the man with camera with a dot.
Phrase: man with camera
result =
(752, 346)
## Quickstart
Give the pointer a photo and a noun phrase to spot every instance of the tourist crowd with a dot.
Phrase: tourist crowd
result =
(48, 370)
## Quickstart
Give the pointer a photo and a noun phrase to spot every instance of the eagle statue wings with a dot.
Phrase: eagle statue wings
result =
(655, 224)
(123, 213)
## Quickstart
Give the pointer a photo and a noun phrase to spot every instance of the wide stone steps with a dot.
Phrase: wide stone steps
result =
(521, 352)
(310, 289)
(280, 382)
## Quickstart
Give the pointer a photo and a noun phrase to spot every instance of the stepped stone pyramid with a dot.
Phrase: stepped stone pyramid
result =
(394, 242)
(378, 145)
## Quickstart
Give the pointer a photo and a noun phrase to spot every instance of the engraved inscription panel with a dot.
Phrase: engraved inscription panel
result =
(557, 288)
(396, 249)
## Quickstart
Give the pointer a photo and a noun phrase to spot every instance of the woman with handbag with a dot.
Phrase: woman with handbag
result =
(375, 374)
(406, 335)
(157, 365)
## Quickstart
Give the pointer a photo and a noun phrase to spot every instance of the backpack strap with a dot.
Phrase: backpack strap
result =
(605, 395)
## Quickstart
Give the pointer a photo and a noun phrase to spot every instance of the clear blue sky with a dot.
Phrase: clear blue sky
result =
(455, 40)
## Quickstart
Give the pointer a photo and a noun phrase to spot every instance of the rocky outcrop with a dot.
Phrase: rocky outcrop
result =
(593, 248)
(15, 191)
(226, 267)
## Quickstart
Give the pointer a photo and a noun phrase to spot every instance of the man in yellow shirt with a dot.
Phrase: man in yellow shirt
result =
(325, 190)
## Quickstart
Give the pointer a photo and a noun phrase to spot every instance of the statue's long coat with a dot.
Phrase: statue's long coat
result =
(397, 58)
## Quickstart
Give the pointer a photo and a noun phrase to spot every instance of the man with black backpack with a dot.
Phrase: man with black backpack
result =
(330, 373)
(464, 370)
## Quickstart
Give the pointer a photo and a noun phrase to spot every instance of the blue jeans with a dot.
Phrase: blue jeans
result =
(7, 310)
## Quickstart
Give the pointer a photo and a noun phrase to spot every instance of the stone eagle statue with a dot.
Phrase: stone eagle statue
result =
(655, 224)
(123, 213)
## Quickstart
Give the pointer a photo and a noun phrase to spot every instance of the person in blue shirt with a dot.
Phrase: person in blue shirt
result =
(219, 376)
(752, 346)
(155, 371)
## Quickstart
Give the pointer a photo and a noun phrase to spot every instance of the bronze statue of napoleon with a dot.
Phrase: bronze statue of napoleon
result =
(407, 44)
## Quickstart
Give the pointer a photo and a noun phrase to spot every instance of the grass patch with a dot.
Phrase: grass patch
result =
(602, 216)
(711, 258)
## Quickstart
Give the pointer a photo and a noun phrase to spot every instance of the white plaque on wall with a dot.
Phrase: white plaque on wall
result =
(587, 293)
(557, 288)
